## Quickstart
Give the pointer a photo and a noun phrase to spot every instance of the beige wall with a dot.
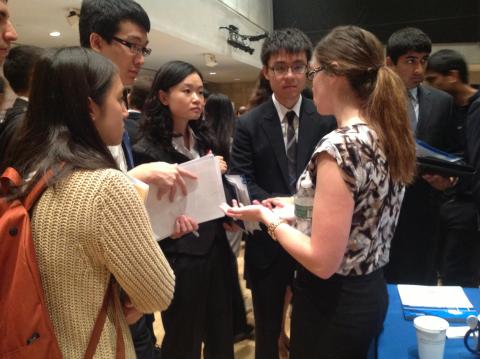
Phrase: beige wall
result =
(239, 92)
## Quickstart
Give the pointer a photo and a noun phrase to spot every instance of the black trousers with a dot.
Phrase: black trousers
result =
(238, 304)
(268, 294)
(143, 337)
(201, 310)
(337, 318)
(460, 243)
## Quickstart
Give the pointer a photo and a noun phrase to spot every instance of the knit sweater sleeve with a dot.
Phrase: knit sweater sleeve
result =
(127, 247)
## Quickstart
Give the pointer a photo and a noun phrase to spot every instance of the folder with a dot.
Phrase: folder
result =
(449, 303)
(431, 160)
(453, 315)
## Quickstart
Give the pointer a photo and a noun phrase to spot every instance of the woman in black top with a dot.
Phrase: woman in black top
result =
(171, 131)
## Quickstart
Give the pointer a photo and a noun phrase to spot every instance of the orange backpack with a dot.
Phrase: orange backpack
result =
(25, 327)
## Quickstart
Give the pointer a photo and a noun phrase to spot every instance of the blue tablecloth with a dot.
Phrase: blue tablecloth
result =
(398, 339)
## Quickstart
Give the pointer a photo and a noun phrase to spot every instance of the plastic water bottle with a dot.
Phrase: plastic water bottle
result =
(303, 201)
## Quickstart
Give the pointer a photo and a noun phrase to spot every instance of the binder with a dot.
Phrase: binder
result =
(447, 302)
(431, 160)
(452, 315)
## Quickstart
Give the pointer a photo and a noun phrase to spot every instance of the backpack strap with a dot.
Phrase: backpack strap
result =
(10, 178)
(111, 297)
(37, 190)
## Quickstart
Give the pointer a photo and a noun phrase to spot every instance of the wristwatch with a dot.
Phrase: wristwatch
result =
(272, 226)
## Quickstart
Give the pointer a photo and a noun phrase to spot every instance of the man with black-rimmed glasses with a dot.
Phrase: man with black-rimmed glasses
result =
(272, 144)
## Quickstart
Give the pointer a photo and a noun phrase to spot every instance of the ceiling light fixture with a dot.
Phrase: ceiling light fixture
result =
(55, 34)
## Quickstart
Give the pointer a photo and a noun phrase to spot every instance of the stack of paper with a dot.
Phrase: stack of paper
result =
(202, 202)
(450, 303)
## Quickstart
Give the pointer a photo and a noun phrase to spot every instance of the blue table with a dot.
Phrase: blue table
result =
(398, 339)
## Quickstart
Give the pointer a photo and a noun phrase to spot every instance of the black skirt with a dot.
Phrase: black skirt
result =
(338, 317)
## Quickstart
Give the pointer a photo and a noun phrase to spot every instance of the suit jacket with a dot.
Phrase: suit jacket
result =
(13, 118)
(259, 155)
(147, 150)
(132, 124)
(435, 117)
(414, 245)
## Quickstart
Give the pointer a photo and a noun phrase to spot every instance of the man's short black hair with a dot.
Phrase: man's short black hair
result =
(290, 40)
(104, 17)
(19, 64)
(140, 89)
(405, 40)
(446, 60)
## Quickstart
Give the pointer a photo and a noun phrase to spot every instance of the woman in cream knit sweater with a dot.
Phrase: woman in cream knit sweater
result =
(90, 223)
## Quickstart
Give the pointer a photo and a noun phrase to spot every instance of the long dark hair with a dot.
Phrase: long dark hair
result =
(57, 127)
(157, 121)
(220, 119)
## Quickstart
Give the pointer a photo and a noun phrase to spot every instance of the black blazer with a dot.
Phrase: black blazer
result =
(147, 150)
(435, 117)
(259, 155)
(414, 245)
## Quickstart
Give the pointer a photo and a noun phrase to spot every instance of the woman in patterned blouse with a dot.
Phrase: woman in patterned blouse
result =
(358, 175)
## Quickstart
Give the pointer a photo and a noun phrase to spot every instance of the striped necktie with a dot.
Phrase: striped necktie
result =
(291, 150)
(411, 111)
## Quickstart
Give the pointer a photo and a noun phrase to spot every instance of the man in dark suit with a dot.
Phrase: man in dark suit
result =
(18, 69)
(272, 144)
(414, 246)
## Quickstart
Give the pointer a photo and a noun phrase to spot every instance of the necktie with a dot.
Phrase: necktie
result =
(291, 150)
(411, 111)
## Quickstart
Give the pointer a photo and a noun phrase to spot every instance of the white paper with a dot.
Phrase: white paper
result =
(202, 202)
(456, 332)
(433, 296)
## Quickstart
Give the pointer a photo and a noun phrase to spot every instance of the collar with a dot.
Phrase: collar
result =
(134, 111)
(179, 145)
(24, 98)
(282, 110)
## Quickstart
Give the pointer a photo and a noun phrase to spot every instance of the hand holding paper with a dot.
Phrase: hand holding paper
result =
(164, 176)
(184, 225)
(201, 202)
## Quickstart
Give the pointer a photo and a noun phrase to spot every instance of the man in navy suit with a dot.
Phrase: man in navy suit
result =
(272, 144)
(415, 243)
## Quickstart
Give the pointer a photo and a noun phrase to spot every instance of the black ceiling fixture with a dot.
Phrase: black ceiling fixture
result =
(239, 41)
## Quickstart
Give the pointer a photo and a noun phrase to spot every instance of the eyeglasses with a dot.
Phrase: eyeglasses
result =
(282, 69)
(311, 73)
(134, 48)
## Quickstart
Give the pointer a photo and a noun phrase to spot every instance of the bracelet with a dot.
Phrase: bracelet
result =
(273, 226)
